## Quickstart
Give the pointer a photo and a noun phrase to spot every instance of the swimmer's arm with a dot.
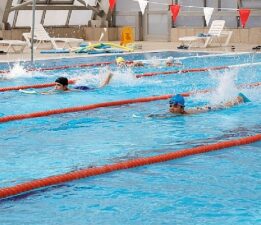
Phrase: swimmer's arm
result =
(50, 92)
(28, 91)
(138, 63)
(199, 110)
(107, 80)
(236, 101)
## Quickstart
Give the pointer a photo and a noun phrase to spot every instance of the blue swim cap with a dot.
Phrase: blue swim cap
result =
(177, 99)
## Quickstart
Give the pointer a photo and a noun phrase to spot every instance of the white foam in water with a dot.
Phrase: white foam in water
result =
(18, 71)
(226, 88)
(154, 61)
(88, 79)
(124, 76)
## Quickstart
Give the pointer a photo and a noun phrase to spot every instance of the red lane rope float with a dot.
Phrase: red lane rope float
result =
(63, 67)
(137, 76)
(100, 105)
(31, 86)
(81, 108)
(193, 70)
(57, 179)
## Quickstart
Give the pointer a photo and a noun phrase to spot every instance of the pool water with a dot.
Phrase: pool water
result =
(213, 188)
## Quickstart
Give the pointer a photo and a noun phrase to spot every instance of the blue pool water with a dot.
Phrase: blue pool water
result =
(213, 188)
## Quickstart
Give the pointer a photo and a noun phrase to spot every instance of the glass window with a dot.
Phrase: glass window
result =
(80, 17)
(21, 22)
(56, 17)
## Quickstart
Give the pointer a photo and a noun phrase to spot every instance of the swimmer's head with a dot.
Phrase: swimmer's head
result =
(170, 60)
(61, 83)
(120, 60)
(177, 104)
(177, 100)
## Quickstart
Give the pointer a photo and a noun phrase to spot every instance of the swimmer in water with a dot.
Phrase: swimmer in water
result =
(177, 105)
(120, 61)
(61, 85)
(171, 62)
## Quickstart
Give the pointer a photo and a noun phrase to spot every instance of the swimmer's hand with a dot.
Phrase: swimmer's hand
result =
(28, 92)
(162, 115)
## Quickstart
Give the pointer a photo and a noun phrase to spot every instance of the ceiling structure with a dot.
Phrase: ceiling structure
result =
(18, 13)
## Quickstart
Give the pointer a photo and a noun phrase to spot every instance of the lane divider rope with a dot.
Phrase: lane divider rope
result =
(108, 63)
(88, 172)
(104, 104)
(63, 67)
(36, 86)
(194, 70)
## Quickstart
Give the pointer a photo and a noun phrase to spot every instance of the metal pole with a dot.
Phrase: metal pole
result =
(32, 32)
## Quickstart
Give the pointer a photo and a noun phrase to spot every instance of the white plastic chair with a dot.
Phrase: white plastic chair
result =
(16, 45)
(215, 32)
(41, 36)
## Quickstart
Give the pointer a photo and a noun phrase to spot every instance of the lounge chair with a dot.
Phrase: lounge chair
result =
(41, 36)
(16, 45)
(215, 33)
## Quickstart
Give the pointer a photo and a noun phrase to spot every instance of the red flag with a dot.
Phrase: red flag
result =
(174, 11)
(112, 4)
(244, 14)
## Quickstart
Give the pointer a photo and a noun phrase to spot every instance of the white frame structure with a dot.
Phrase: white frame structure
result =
(14, 12)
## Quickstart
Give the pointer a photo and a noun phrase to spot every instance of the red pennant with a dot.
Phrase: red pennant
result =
(244, 14)
(174, 11)
(112, 4)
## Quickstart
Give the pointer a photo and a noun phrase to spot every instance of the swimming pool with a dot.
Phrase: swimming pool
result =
(214, 188)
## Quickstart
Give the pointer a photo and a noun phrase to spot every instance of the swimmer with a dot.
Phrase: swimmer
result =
(171, 62)
(120, 61)
(61, 85)
(177, 105)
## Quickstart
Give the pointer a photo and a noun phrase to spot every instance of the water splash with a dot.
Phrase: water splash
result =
(87, 79)
(125, 77)
(226, 88)
(18, 71)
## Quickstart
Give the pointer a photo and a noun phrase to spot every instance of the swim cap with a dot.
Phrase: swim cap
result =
(62, 80)
(170, 60)
(120, 59)
(177, 99)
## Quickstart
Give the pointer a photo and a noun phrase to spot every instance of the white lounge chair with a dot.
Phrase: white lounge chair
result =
(41, 36)
(215, 33)
(16, 45)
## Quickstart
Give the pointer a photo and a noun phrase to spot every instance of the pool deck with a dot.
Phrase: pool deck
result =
(146, 46)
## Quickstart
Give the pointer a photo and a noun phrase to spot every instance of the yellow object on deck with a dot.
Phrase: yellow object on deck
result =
(127, 36)
(119, 46)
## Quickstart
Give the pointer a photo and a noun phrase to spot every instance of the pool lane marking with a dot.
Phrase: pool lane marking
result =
(112, 62)
(63, 67)
(103, 104)
(193, 70)
(36, 86)
(95, 171)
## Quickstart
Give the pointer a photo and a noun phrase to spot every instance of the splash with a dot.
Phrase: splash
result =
(87, 79)
(226, 88)
(125, 77)
(18, 71)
